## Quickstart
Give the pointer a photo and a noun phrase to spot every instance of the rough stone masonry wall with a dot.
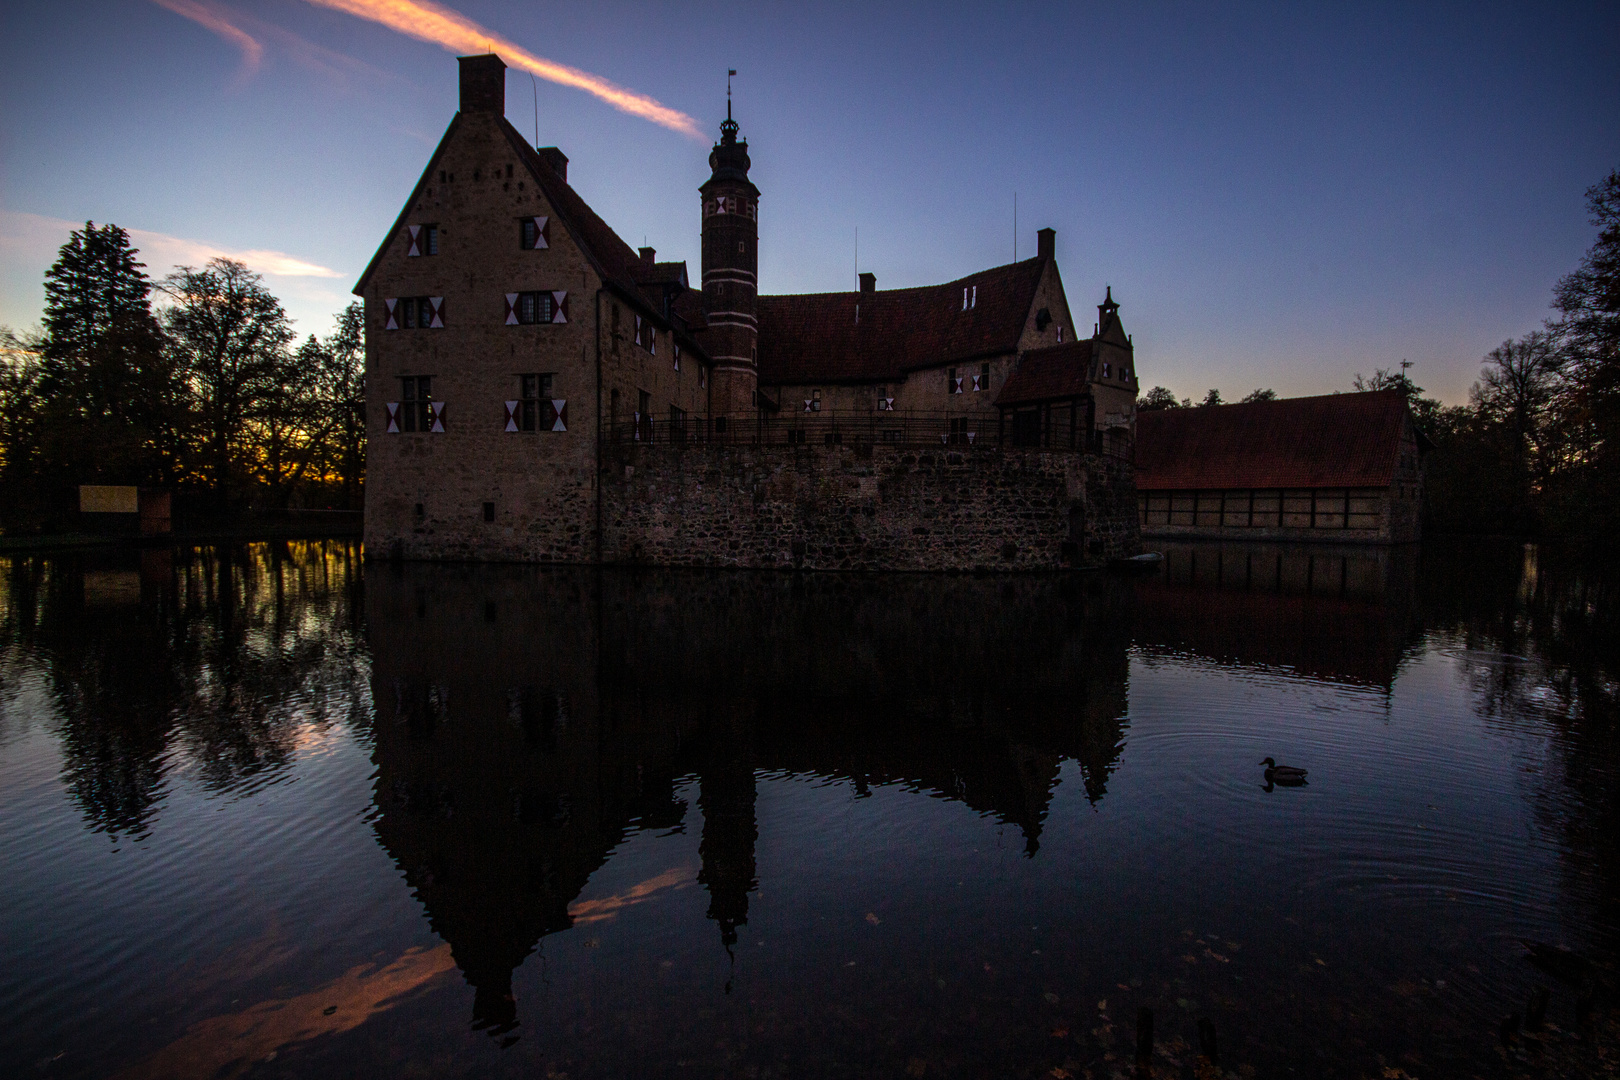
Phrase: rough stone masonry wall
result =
(864, 507)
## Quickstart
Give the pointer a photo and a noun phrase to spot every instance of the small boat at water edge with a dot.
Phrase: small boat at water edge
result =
(1148, 560)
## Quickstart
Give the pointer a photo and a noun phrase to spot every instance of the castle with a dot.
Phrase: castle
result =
(537, 391)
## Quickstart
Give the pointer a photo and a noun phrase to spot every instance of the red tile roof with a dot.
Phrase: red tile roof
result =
(1062, 371)
(1339, 440)
(815, 337)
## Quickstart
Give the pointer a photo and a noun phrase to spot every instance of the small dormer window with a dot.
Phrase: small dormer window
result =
(1043, 319)
(970, 297)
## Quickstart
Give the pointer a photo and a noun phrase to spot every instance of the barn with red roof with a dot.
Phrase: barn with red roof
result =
(1345, 467)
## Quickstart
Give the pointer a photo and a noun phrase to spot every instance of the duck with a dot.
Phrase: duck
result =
(1282, 774)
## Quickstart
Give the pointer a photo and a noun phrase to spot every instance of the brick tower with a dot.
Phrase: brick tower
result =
(731, 272)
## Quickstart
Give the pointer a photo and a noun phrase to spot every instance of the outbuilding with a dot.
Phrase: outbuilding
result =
(1341, 467)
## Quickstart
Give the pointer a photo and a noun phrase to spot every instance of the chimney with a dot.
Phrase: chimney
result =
(1046, 243)
(647, 255)
(868, 284)
(556, 159)
(483, 84)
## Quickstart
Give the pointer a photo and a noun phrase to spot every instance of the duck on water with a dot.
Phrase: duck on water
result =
(1284, 775)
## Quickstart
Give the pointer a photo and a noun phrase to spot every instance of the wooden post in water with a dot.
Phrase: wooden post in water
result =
(1536, 1011)
(1206, 1041)
(1144, 1043)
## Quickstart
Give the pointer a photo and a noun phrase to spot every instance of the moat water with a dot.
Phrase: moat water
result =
(268, 811)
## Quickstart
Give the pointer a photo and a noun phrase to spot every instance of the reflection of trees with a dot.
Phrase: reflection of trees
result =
(211, 658)
(1560, 617)
(528, 719)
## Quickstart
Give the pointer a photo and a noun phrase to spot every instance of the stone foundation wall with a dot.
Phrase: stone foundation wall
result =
(864, 507)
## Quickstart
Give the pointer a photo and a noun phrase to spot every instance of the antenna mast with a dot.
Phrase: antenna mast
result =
(1015, 226)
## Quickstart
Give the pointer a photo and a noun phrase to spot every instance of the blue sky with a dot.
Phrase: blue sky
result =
(1279, 195)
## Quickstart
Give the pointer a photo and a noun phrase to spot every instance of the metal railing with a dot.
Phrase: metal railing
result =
(856, 427)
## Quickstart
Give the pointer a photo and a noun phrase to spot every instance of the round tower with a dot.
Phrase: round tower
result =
(731, 272)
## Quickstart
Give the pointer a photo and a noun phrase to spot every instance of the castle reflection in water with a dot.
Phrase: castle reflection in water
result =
(526, 721)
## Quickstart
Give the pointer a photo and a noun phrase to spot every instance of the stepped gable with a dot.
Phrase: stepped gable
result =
(1061, 371)
(1336, 440)
(814, 337)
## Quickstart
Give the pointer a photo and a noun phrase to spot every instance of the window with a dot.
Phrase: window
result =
(413, 313)
(970, 297)
(489, 511)
(643, 416)
(703, 376)
(646, 334)
(677, 350)
(539, 307)
(1108, 371)
(534, 403)
(416, 403)
(813, 402)
(958, 431)
(422, 240)
(533, 233)
(953, 382)
(1060, 334)
(981, 381)
(677, 424)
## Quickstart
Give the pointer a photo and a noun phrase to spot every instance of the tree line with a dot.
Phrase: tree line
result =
(195, 382)
(1536, 451)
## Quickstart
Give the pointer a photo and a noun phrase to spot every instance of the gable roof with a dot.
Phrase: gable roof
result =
(1336, 440)
(814, 337)
(619, 267)
(1061, 371)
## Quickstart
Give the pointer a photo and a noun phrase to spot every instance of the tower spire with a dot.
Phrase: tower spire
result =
(730, 270)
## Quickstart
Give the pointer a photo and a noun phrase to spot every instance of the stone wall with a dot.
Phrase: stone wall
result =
(864, 507)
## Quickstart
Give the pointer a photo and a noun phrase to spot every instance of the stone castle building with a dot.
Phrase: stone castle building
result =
(538, 391)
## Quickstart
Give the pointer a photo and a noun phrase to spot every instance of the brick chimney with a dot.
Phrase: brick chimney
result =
(648, 256)
(1046, 243)
(868, 284)
(483, 84)
(556, 159)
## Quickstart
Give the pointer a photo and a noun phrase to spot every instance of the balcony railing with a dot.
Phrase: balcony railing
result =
(857, 427)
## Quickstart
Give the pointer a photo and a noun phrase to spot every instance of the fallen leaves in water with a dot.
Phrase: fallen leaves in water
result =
(873, 919)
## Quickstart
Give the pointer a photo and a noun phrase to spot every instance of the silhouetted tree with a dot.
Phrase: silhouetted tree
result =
(228, 336)
(21, 357)
(1588, 328)
(335, 376)
(1213, 397)
(1159, 397)
(106, 390)
(1259, 395)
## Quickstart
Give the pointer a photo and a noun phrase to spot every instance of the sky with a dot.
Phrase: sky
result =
(1279, 195)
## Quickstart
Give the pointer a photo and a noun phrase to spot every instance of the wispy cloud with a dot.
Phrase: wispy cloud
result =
(34, 234)
(221, 22)
(430, 22)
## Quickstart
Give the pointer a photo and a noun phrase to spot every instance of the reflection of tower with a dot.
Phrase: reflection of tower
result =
(726, 797)
(731, 271)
